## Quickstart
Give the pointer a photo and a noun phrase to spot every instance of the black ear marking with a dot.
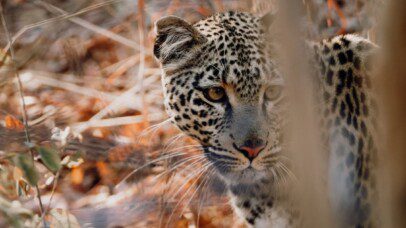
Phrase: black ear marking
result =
(175, 38)
(268, 19)
(165, 24)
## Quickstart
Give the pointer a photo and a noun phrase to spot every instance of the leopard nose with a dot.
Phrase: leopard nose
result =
(251, 148)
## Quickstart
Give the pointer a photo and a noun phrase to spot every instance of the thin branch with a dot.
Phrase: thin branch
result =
(123, 99)
(117, 121)
(130, 62)
(46, 79)
(24, 111)
(140, 75)
(56, 177)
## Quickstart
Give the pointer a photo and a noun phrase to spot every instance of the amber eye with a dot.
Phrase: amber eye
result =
(215, 94)
(273, 92)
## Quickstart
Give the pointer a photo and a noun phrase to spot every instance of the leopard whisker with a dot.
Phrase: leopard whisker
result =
(152, 129)
(188, 178)
(281, 173)
(155, 126)
(147, 164)
(288, 172)
(197, 175)
(180, 163)
(173, 140)
(183, 147)
(275, 175)
(196, 190)
(211, 173)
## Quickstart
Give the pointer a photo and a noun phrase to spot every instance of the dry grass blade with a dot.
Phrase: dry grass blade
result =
(72, 17)
(125, 120)
(90, 26)
(121, 101)
(123, 68)
(46, 78)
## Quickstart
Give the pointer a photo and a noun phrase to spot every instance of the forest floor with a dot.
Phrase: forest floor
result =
(92, 96)
(84, 138)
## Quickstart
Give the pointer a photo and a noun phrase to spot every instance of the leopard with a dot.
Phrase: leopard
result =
(223, 87)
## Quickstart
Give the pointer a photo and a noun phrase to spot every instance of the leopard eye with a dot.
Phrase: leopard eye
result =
(215, 94)
(273, 92)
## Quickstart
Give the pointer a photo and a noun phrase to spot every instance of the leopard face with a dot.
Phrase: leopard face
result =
(221, 87)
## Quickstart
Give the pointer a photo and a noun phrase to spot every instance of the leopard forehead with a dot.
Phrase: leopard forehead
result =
(235, 55)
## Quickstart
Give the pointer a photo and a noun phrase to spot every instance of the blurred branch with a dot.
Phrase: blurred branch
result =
(124, 66)
(125, 120)
(125, 98)
(141, 67)
(46, 79)
(56, 178)
(304, 148)
(391, 83)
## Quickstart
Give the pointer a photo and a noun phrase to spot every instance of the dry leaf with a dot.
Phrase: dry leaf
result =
(13, 123)
(61, 218)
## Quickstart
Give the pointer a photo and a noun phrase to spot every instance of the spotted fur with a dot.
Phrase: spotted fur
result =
(231, 51)
(348, 122)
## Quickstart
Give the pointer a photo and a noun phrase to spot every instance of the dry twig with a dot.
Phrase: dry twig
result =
(23, 108)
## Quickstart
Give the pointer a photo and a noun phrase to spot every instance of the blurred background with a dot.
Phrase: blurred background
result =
(80, 94)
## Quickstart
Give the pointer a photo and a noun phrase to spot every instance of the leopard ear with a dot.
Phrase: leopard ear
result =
(267, 19)
(175, 39)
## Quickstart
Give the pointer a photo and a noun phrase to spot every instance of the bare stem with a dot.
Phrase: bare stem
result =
(24, 111)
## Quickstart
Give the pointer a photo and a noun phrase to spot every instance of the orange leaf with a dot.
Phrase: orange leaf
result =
(13, 123)
(77, 175)
(103, 169)
(204, 11)
(333, 4)
(105, 172)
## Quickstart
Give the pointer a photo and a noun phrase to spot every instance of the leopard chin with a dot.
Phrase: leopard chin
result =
(250, 176)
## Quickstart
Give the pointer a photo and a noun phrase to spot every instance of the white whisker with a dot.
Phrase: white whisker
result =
(147, 164)
(197, 175)
(188, 178)
(207, 184)
(288, 172)
(173, 140)
(195, 191)
(198, 158)
(184, 147)
(152, 129)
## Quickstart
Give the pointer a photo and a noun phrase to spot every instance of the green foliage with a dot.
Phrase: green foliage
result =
(50, 158)
(26, 164)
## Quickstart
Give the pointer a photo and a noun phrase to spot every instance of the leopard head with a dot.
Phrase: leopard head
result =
(221, 87)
